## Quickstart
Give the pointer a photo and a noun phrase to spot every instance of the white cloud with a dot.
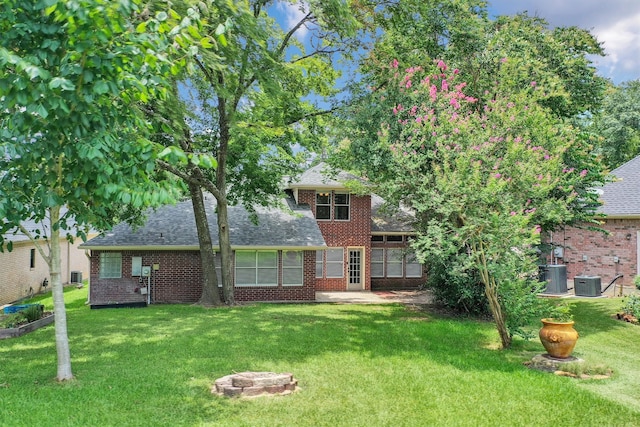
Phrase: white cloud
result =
(292, 14)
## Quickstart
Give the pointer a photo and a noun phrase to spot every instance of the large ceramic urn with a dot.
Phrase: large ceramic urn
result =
(558, 338)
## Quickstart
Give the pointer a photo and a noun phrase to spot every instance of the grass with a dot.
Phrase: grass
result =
(356, 365)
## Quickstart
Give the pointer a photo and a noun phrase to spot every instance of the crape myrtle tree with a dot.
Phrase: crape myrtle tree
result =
(251, 104)
(462, 34)
(74, 147)
(485, 179)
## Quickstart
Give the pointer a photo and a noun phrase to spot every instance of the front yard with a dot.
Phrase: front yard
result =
(357, 365)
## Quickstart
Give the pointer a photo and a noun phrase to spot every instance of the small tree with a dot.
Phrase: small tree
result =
(484, 181)
(74, 150)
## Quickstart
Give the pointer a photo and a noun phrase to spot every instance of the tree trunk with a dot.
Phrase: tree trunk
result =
(225, 252)
(210, 294)
(62, 340)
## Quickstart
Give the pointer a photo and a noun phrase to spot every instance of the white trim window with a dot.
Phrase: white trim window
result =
(319, 263)
(256, 268)
(394, 262)
(292, 268)
(377, 262)
(413, 268)
(110, 265)
(323, 206)
(335, 262)
(341, 201)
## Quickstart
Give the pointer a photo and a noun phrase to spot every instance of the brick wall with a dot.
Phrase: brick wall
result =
(178, 279)
(355, 233)
(600, 250)
(16, 275)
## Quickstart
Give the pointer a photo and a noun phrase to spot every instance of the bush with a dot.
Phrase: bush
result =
(33, 313)
(636, 281)
(632, 306)
(12, 320)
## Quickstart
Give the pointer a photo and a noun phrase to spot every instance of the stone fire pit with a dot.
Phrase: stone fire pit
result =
(249, 384)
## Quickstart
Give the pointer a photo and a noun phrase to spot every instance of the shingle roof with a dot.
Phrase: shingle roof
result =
(622, 197)
(173, 226)
(381, 222)
(44, 228)
(321, 177)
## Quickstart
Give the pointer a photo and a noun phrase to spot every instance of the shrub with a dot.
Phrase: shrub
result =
(636, 281)
(632, 306)
(12, 320)
(33, 313)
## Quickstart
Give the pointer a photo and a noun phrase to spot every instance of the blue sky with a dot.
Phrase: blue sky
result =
(615, 23)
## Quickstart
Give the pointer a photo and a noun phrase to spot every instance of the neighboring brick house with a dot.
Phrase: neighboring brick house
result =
(23, 271)
(326, 239)
(592, 253)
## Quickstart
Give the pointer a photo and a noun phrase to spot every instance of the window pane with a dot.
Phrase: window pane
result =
(341, 199)
(245, 259)
(377, 262)
(334, 270)
(342, 212)
(267, 276)
(414, 270)
(323, 212)
(292, 276)
(335, 255)
(377, 255)
(245, 276)
(292, 259)
(377, 238)
(394, 263)
(394, 238)
(319, 263)
(267, 259)
(323, 198)
(111, 265)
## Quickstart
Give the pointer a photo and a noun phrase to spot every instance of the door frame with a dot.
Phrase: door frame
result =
(349, 286)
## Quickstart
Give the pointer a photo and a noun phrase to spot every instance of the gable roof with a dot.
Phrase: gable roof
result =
(322, 177)
(174, 227)
(39, 228)
(400, 221)
(621, 198)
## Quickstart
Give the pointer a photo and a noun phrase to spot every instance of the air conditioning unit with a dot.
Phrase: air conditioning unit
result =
(76, 277)
(587, 286)
(556, 278)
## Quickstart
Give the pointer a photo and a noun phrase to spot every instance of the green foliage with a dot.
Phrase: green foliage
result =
(617, 124)
(33, 312)
(483, 180)
(12, 320)
(632, 306)
(636, 281)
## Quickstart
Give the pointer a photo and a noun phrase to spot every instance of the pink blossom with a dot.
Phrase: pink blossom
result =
(533, 84)
(442, 65)
(537, 229)
(394, 63)
(513, 213)
(503, 60)
(445, 86)
(497, 175)
(583, 173)
(433, 92)
(408, 84)
(456, 71)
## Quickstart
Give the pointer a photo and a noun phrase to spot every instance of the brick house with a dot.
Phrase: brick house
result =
(592, 253)
(23, 271)
(323, 238)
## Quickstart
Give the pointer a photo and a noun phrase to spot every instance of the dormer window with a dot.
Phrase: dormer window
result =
(331, 205)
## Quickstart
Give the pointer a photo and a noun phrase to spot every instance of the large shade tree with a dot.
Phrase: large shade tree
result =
(74, 148)
(253, 104)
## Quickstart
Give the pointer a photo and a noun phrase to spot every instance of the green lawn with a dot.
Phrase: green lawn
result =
(356, 365)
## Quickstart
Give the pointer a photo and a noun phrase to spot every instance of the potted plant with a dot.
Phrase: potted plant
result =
(557, 334)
